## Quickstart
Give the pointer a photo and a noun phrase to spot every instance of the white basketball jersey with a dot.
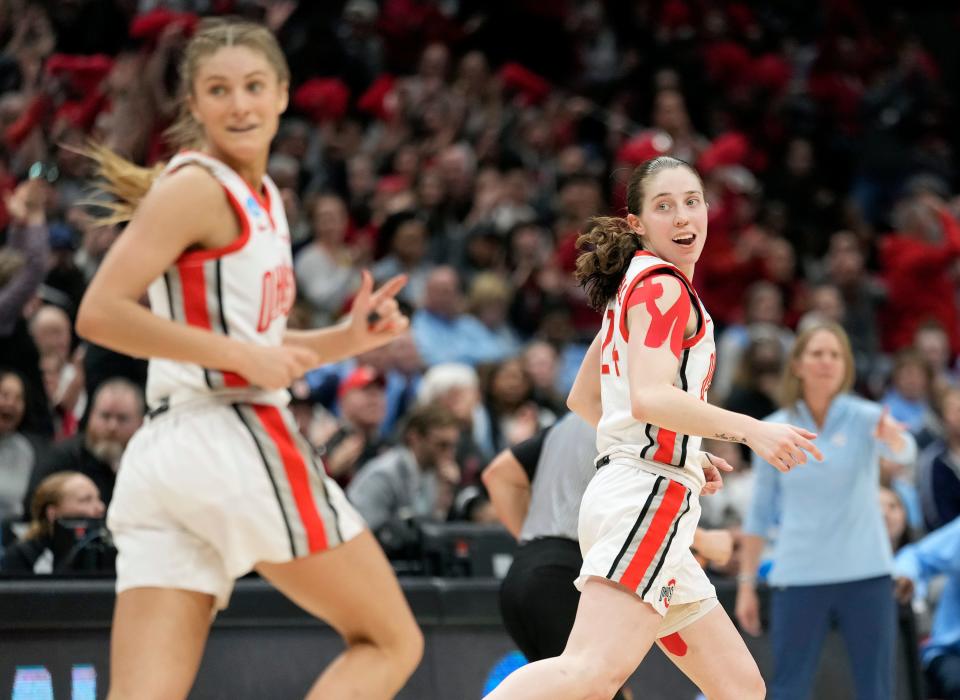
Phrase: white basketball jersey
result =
(619, 434)
(244, 290)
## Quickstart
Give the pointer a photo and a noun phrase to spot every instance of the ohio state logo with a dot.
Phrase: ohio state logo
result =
(666, 592)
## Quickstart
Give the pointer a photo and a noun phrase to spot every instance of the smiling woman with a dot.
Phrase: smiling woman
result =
(643, 384)
(832, 559)
(218, 482)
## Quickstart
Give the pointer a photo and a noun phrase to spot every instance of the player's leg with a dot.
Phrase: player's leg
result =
(711, 652)
(612, 633)
(799, 622)
(353, 588)
(157, 642)
(867, 616)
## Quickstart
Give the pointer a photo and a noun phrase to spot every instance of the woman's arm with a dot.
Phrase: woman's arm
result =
(656, 331)
(509, 490)
(584, 398)
(111, 315)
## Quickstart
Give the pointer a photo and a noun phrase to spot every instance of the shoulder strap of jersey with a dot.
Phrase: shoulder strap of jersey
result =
(220, 170)
(652, 265)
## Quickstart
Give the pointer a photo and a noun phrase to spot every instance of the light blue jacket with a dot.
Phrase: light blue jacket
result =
(825, 516)
(937, 553)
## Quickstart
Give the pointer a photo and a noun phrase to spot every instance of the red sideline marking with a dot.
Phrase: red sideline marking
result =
(297, 476)
(674, 644)
(654, 535)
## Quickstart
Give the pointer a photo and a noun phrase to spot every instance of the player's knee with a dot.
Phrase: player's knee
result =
(749, 686)
(594, 681)
(402, 646)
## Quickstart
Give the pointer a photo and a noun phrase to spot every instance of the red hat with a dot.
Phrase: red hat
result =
(644, 146)
(378, 99)
(360, 378)
(150, 25)
(322, 99)
(84, 72)
(730, 148)
(521, 79)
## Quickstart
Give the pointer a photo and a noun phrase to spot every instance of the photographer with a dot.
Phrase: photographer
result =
(62, 495)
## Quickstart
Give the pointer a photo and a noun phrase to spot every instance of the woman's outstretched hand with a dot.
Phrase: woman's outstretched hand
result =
(375, 318)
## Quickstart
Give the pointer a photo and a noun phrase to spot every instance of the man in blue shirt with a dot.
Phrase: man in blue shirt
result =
(939, 553)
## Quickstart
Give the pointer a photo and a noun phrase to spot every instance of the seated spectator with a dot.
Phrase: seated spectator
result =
(756, 385)
(542, 362)
(938, 553)
(938, 469)
(404, 235)
(115, 414)
(455, 387)
(17, 454)
(763, 310)
(325, 274)
(442, 331)
(363, 405)
(908, 397)
(513, 414)
(933, 344)
(65, 494)
(417, 479)
(488, 303)
(895, 518)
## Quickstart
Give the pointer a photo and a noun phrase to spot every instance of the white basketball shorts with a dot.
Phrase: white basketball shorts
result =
(636, 529)
(207, 491)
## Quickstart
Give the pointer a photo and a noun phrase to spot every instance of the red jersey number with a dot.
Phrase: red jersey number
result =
(608, 340)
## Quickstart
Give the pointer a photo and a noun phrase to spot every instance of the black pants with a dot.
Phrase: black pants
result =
(943, 674)
(538, 601)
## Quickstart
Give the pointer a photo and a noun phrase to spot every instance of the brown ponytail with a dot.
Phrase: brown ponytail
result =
(608, 246)
(610, 242)
(127, 182)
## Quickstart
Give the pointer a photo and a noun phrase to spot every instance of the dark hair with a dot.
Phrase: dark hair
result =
(423, 419)
(609, 243)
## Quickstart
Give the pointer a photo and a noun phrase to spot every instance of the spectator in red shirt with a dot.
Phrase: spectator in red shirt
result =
(918, 263)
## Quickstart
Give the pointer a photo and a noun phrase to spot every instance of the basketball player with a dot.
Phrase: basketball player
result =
(643, 383)
(536, 487)
(218, 482)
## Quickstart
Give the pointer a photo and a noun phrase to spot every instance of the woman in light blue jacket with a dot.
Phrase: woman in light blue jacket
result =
(832, 557)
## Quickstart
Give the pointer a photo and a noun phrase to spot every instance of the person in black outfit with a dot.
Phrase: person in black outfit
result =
(62, 495)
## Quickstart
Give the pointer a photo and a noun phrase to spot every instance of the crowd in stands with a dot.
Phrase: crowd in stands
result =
(466, 144)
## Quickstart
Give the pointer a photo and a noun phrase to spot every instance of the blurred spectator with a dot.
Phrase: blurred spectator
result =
(542, 364)
(508, 397)
(17, 453)
(908, 397)
(442, 331)
(763, 314)
(65, 494)
(323, 269)
(916, 262)
(488, 302)
(939, 554)
(455, 387)
(862, 296)
(362, 399)
(23, 265)
(63, 273)
(895, 518)
(932, 343)
(116, 411)
(62, 370)
(756, 385)
(415, 480)
(404, 237)
(938, 468)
